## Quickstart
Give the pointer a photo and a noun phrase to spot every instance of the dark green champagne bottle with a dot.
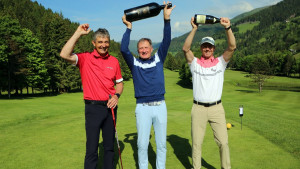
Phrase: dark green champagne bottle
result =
(144, 11)
(205, 19)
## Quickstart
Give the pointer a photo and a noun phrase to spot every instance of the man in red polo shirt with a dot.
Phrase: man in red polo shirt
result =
(100, 72)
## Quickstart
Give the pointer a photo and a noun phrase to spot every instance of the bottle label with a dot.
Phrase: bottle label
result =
(143, 11)
(200, 19)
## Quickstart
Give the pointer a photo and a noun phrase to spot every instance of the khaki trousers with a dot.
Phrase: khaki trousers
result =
(215, 115)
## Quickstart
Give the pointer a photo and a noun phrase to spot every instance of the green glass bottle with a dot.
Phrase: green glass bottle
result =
(144, 11)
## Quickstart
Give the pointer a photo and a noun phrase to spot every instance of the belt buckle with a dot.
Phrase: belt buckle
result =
(157, 103)
(154, 103)
(147, 104)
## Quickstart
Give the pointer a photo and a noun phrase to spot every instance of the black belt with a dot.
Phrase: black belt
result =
(98, 102)
(207, 104)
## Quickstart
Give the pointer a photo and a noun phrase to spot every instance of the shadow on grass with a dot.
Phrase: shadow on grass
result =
(26, 96)
(132, 140)
(117, 162)
(183, 150)
(247, 91)
(19, 96)
(289, 89)
(185, 84)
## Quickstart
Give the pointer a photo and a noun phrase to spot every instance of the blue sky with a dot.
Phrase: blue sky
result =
(108, 13)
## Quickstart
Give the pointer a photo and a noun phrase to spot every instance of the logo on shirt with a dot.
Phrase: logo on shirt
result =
(109, 68)
(213, 70)
(207, 74)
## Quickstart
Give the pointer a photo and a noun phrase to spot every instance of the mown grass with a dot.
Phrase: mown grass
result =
(247, 26)
(48, 132)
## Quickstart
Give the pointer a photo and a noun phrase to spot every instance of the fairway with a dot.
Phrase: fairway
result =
(48, 132)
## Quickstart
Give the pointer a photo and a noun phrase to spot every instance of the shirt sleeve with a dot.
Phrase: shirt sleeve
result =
(128, 57)
(164, 46)
(119, 77)
(80, 58)
(224, 63)
(192, 64)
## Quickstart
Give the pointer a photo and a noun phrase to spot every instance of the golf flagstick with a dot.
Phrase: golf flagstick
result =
(113, 116)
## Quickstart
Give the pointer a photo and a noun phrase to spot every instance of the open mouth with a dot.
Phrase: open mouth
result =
(144, 53)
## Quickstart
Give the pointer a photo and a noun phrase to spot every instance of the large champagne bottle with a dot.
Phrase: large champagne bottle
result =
(144, 11)
(205, 19)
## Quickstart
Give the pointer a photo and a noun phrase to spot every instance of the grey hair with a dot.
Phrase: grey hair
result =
(144, 39)
(101, 32)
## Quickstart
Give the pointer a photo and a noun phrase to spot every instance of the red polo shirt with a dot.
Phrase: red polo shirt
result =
(98, 75)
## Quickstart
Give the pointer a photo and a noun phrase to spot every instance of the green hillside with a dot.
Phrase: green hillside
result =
(243, 15)
(244, 27)
(206, 30)
(269, 36)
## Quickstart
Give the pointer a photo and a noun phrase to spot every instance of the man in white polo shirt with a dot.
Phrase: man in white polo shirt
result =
(208, 78)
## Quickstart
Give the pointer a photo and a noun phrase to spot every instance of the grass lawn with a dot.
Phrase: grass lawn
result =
(246, 26)
(48, 132)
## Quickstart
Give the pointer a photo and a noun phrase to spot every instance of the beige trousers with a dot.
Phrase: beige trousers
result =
(215, 115)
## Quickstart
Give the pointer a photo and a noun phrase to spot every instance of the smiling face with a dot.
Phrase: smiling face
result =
(101, 44)
(207, 50)
(145, 49)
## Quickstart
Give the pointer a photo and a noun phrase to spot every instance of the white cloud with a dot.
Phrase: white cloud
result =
(233, 10)
(181, 27)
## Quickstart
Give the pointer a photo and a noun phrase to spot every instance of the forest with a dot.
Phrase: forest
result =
(29, 55)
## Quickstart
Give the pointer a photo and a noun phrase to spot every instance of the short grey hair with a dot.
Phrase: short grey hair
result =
(101, 32)
(144, 39)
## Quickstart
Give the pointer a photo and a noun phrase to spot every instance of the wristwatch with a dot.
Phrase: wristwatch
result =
(118, 95)
(228, 28)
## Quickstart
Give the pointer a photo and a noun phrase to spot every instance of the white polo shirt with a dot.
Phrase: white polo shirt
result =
(208, 78)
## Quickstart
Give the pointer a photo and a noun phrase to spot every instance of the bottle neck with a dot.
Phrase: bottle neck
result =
(163, 6)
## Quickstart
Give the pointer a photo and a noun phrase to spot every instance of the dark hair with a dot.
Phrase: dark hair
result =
(102, 33)
(144, 39)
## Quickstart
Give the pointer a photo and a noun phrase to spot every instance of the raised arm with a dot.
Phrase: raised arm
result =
(164, 46)
(189, 56)
(66, 52)
(228, 53)
(125, 43)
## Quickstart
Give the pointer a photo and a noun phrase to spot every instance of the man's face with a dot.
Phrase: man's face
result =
(145, 49)
(207, 50)
(101, 45)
